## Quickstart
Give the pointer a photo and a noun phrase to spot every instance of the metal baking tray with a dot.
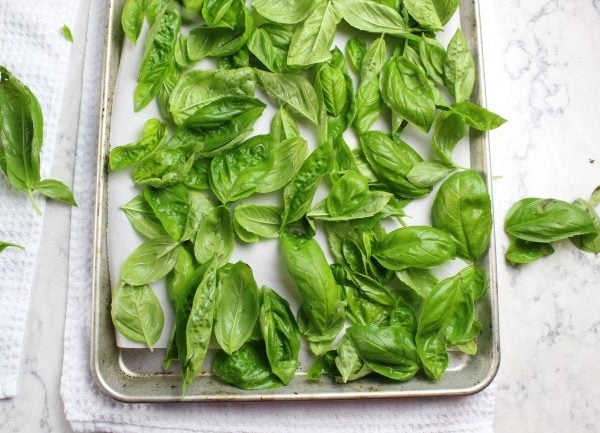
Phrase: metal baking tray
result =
(134, 375)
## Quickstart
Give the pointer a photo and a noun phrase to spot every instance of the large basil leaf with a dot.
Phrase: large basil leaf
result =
(292, 91)
(348, 362)
(132, 17)
(371, 16)
(283, 11)
(547, 220)
(237, 313)
(142, 218)
(522, 252)
(215, 237)
(214, 11)
(406, 89)
(462, 207)
(459, 68)
(280, 331)
(298, 195)
(414, 247)
(321, 296)
(137, 314)
(253, 222)
(151, 261)
(237, 173)
(170, 205)
(313, 38)
(288, 157)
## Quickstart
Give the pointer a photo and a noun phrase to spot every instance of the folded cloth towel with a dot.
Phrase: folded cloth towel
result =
(32, 47)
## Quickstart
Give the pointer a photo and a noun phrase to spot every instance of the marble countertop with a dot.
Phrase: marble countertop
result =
(542, 63)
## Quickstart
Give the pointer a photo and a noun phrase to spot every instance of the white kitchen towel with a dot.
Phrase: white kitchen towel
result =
(31, 47)
(88, 410)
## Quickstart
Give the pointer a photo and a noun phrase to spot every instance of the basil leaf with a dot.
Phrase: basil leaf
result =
(348, 362)
(375, 202)
(361, 311)
(424, 12)
(420, 281)
(213, 11)
(321, 297)
(247, 368)
(462, 208)
(414, 247)
(371, 16)
(237, 312)
(283, 11)
(590, 242)
(137, 314)
(406, 90)
(142, 218)
(4, 245)
(432, 353)
(547, 220)
(253, 222)
(445, 9)
(459, 68)
(153, 135)
(333, 86)
(448, 130)
(197, 177)
(347, 194)
(199, 206)
(288, 157)
(298, 195)
(427, 173)
(292, 91)
(355, 52)
(313, 38)
(477, 117)
(222, 110)
(159, 56)
(270, 44)
(403, 315)
(283, 126)
(522, 252)
(215, 237)
(132, 18)
(151, 261)
(56, 190)
(199, 326)
(282, 336)
(170, 205)
(432, 56)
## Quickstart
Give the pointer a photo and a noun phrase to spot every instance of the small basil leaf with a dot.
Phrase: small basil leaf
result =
(153, 135)
(288, 157)
(142, 218)
(371, 16)
(427, 173)
(170, 205)
(4, 245)
(590, 242)
(477, 117)
(347, 194)
(215, 237)
(424, 12)
(459, 68)
(263, 221)
(448, 130)
(522, 252)
(355, 52)
(151, 261)
(56, 190)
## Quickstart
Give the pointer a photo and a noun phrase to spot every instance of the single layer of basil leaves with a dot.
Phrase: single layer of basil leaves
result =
(137, 314)
(463, 208)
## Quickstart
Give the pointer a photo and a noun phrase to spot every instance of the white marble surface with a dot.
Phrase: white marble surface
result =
(542, 68)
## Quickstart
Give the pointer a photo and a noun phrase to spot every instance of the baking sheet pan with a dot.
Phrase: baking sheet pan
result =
(135, 375)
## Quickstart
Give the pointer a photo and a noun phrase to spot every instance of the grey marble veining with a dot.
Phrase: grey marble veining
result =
(542, 67)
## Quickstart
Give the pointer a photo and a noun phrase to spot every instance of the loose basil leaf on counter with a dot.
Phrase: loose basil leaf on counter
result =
(137, 314)
(424, 12)
(214, 238)
(448, 130)
(237, 173)
(159, 56)
(142, 218)
(292, 91)
(322, 302)
(288, 157)
(590, 242)
(283, 11)
(522, 252)
(459, 68)
(253, 222)
(281, 334)
(427, 173)
(153, 135)
(347, 194)
(170, 205)
(237, 310)
(355, 52)
(414, 247)
(477, 117)
(151, 261)
(283, 126)
(4, 245)
(312, 39)
(371, 16)
(298, 195)
(199, 327)
(406, 90)
(56, 190)
(463, 208)
(547, 220)
(248, 368)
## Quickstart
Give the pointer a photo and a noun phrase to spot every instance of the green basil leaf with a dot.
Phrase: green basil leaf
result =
(462, 208)
(313, 38)
(427, 173)
(448, 130)
(199, 206)
(371, 16)
(432, 55)
(56, 190)
(270, 44)
(547, 220)
(323, 365)
(522, 252)
(348, 362)
(406, 90)
(222, 110)
(283, 11)
(253, 221)
(283, 126)
(361, 311)
(151, 261)
(292, 91)
(375, 202)
(153, 135)
(288, 157)
(403, 315)
(4, 245)
(215, 237)
(137, 314)
(424, 12)
(477, 117)
(281, 334)
(432, 353)
(142, 218)
(213, 11)
(590, 242)
(347, 194)
(459, 68)
(170, 205)
(237, 312)
(298, 195)
(333, 86)
(321, 296)
(355, 52)
(236, 174)
(197, 177)
(390, 345)
(420, 281)
(414, 247)
(248, 368)
(132, 18)
(445, 9)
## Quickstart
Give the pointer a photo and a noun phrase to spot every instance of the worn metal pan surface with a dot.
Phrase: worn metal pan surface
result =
(133, 375)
